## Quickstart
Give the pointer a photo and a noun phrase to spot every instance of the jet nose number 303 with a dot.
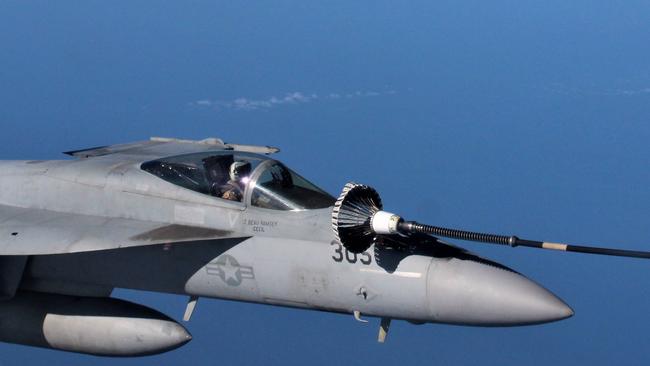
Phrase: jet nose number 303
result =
(342, 254)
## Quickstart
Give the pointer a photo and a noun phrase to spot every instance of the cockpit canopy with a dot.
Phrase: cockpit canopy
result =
(241, 177)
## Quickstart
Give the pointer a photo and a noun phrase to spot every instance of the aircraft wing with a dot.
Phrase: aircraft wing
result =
(25, 231)
(158, 147)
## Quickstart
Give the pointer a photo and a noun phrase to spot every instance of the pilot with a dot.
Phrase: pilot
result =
(234, 189)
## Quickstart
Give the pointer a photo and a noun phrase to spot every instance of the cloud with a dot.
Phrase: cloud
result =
(632, 91)
(203, 102)
(293, 98)
(560, 88)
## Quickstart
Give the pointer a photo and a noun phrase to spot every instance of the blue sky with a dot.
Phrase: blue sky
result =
(518, 117)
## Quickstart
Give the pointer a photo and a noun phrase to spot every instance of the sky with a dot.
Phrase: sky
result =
(515, 117)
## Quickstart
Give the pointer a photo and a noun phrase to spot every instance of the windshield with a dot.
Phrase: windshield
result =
(221, 174)
(279, 188)
(230, 175)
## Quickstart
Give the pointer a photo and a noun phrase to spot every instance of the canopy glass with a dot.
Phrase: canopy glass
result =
(242, 177)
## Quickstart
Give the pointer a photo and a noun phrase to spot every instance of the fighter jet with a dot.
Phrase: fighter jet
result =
(209, 219)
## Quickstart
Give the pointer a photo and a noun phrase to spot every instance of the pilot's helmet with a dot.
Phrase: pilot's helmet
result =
(239, 170)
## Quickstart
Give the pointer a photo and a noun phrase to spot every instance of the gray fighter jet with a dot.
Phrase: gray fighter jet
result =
(217, 220)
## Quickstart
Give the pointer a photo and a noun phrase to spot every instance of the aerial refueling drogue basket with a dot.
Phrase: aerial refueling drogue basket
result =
(358, 221)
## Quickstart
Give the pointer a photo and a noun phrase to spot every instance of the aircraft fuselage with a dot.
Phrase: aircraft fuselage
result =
(287, 258)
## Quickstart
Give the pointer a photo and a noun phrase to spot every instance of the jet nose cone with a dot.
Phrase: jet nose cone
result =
(530, 303)
(540, 305)
(478, 292)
